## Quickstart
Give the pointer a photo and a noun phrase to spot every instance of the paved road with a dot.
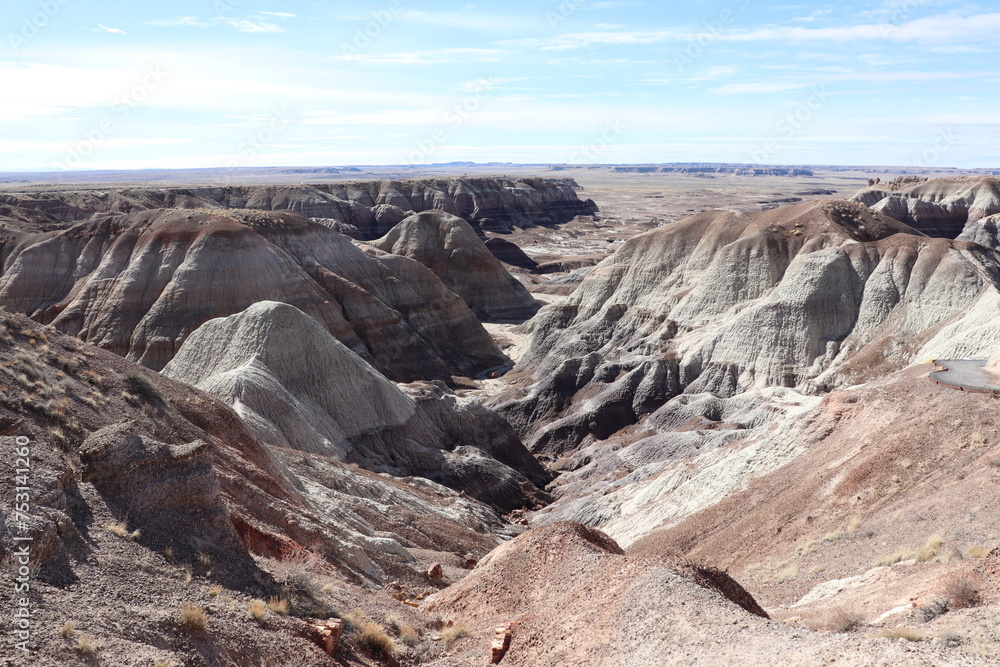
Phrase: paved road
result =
(965, 374)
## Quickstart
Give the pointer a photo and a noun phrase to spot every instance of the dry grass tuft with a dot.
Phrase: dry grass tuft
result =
(909, 634)
(930, 550)
(86, 646)
(194, 618)
(843, 620)
(407, 634)
(120, 528)
(204, 560)
(278, 605)
(215, 590)
(258, 610)
(373, 638)
(977, 551)
(68, 629)
(452, 634)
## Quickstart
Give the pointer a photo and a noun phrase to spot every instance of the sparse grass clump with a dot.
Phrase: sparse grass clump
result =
(977, 551)
(407, 634)
(909, 634)
(278, 605)
(215, 590)
(897, 557)
(930, 550)
(140, 386)
(373, 638)
(86, 646)
(844, 620)
(258, 610)
(204, 560)
(194, 618)
(120, 528)
(68, 629)
(452, 634)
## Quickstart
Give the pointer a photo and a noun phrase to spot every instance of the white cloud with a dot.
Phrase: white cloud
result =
(280, 15)
(104, 28)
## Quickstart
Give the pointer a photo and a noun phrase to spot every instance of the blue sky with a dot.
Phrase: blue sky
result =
(210, 83)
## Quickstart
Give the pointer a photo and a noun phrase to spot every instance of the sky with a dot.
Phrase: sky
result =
(254, 83)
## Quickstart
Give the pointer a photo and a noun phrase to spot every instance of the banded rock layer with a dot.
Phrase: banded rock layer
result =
(944, 207)
(297, 386)
(373, 207)
(809, 297)
(449, 247)
(139, 284)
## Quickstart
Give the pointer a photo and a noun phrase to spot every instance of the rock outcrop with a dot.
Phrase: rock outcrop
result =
(139, 284)
(297, 386)
(808, 297)
(510, 253)
(943, 207)
(449, 247)
(372, 207)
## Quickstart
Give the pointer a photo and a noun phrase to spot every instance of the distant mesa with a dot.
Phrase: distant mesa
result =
(372, 207)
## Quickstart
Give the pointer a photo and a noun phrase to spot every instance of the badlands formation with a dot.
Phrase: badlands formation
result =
(360, 424)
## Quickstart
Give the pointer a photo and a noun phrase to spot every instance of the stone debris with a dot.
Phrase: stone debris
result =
(327, 634)
(435, 571)
(501, 643)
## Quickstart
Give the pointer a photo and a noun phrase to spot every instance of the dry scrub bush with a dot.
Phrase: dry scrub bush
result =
(140, 386)
(962, 590)
(843, 620)
(68, 629)
(374, 639)
(451, 635)
(215, 590)
(407, 634)
(194, 618)
(933, 609)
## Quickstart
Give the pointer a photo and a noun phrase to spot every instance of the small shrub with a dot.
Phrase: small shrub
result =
(278, 605)
(962, 590)
(204, 560)
(909, 634)
(452, 634)
(258, 610)
(68, 629)
(215, 590)
(788, 574)
(140, 386)
(373, 638)
(844, 620)
(951, 639)
(86, 646)
(978, 438)
(932, 610)
(194, 618)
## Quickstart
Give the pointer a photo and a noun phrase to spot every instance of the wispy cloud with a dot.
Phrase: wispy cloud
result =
(280, 15)
(424, 57)
(103, 28)
(937, 30)
(243, 25)
(755, 88)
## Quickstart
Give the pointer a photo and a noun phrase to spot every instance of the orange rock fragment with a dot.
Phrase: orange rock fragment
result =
(501, 643)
